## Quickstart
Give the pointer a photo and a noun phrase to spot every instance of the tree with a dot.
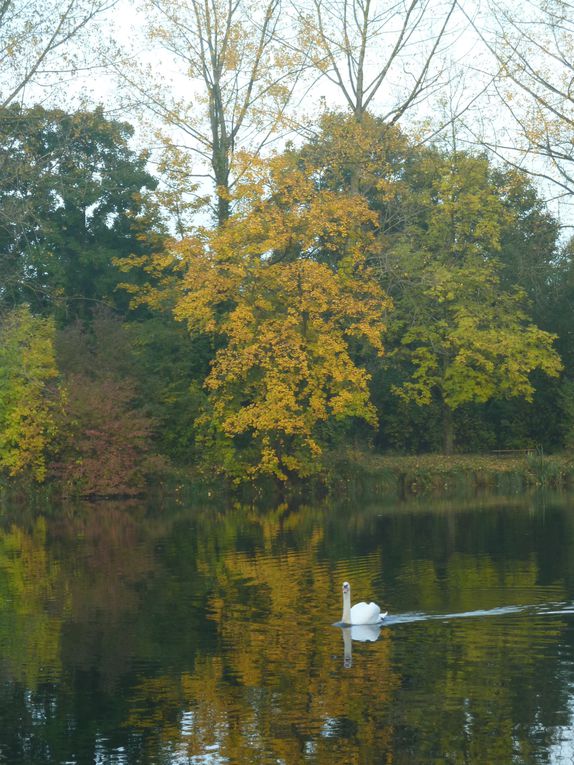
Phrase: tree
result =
(30, 397)
(72, 193)
(529, 237)
(239, 80)
(466, 338)
(361, 45)
(30, 577)
(385, 156)
(105, 435)
(170, 367)
(284, 292)
(506, 238)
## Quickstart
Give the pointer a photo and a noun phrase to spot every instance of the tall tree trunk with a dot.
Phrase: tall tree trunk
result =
(220, 165)
(448, 429)
(220, 152)
(355, 180)
(223, 207)
(221, 170)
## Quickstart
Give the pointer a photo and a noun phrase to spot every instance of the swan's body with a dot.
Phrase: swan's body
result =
(360, 613)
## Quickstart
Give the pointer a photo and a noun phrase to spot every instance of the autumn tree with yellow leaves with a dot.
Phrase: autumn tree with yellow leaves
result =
(30, 396)
(293, 309)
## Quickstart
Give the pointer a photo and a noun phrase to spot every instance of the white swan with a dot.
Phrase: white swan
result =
(360, 613)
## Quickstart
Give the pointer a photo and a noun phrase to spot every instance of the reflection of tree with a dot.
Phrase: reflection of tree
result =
(32, 600)
(180, 634)
(275, 686)
(491, 680)
(298, 592)
(70, 627)
(106, 555)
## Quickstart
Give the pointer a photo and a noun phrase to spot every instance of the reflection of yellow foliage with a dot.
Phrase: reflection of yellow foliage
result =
(29, 633)
(157, 705)
(283, 642)
(276, 683)
(275, 688)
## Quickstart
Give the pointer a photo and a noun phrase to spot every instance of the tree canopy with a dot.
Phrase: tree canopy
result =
(325, 309)
(71, 192)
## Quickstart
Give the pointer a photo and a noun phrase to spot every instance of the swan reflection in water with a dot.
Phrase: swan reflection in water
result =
(363, 633)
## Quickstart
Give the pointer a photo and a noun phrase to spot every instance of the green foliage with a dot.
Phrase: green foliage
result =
(30, 396)
(71, 195)
(475, 342)
(461, 335)
(560, 316)
(567, 402)
(528, 242)
(170, 366)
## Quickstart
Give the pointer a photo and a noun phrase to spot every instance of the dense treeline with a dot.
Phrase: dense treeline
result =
(361, 289)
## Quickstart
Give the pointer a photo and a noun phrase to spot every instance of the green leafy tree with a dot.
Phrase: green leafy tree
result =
(170, 369)
(454, 234)
(464, 336)
(529, 236)
(72, 195)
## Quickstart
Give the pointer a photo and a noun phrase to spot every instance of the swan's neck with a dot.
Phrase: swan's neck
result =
(346, 618)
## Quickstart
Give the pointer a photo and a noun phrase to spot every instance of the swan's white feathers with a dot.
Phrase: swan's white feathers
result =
(365, 613)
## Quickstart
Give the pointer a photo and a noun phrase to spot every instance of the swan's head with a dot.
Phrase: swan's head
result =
(346, 588)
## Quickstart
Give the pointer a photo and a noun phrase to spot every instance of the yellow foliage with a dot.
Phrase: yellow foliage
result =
(285, 287)
(29, 395)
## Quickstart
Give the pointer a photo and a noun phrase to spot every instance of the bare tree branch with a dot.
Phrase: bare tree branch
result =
(534, 50)
(240, 75)
(361, 44)
(34, 38)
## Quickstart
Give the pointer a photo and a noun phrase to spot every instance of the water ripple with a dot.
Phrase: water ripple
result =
(540, 609)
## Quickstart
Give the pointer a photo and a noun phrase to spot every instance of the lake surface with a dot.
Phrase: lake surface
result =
(178, 632)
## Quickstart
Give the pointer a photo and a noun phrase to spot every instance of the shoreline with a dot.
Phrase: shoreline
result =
(411, 475)
(354, 473)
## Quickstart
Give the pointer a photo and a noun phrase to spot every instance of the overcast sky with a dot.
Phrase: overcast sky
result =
(471, 67)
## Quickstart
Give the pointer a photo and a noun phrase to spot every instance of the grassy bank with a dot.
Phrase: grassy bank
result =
(439, 474)
(347, 473)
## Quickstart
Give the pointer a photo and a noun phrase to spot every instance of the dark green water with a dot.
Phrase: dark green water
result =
(201, 635)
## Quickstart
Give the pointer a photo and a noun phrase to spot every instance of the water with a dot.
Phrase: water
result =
(204, 635)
